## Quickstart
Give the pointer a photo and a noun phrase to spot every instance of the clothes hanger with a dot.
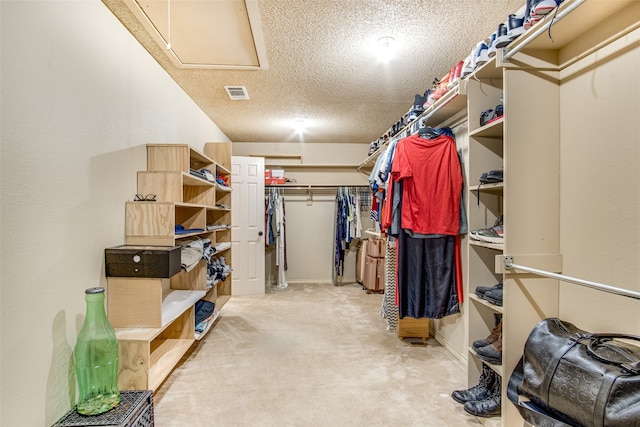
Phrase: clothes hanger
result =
(428, 132)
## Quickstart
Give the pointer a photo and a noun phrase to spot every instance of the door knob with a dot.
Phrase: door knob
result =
(259, 233)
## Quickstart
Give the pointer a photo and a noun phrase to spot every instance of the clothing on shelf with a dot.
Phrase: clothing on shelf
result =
(192, 251)
(276, 231)
(217, 271)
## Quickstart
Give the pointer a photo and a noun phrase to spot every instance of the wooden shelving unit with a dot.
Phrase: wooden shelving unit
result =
(155, 318)
(529, 74)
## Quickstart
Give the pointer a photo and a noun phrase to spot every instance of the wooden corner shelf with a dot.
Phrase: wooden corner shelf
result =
(154, 318)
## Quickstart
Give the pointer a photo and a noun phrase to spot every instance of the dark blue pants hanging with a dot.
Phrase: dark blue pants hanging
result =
(426, 277)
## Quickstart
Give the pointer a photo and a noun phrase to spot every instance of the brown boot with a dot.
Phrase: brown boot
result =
(491, 353)
(495, 333)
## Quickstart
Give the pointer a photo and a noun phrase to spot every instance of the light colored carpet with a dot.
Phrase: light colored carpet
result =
(311, 355)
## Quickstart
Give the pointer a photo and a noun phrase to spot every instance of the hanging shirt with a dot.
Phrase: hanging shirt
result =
(432, 184)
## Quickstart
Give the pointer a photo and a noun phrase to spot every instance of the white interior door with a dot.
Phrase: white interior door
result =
(247, 232)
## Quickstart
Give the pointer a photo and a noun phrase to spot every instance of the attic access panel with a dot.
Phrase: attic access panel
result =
(205, 33)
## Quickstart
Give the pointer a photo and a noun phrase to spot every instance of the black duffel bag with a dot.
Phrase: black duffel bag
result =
(570, 377)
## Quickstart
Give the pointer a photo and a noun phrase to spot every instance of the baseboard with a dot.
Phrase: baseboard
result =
(443, 342)
(304, 282)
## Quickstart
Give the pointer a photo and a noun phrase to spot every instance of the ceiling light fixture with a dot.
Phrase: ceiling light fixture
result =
(385, 48)
(298, 126)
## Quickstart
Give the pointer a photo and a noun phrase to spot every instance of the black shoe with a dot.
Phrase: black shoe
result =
(480, 391)
(489, 407)
(494, 297)
(492, 176)
(481, 290)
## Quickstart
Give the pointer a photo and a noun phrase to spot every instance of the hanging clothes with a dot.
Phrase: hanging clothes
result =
(342, 235)
(348, 225)
(426, 190)
(275, 224)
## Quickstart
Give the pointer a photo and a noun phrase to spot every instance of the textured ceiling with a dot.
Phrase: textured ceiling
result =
(322, 65)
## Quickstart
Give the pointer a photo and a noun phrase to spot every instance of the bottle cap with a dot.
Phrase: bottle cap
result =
(96, 290)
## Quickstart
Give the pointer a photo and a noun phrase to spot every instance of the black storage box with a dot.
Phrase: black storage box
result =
(142, 261)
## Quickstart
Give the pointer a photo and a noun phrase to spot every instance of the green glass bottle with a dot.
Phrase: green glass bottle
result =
(96, 357)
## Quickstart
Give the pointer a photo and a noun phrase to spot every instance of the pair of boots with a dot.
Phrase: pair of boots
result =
(490, 349)
(483, 399)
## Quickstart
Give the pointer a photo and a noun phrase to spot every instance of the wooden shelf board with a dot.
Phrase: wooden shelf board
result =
(195, 181)
(221, 251)
(496, 246)
(222, 170)
(452, 102)
(174, 304)
(493, 187)
(164, 358)
(371, 159)
(197, 233)
(177, 302)
(214, 208)
(581, 20)
(479, 300)
(496, 368)
(494, 129)
(199, 157)
(488, 71)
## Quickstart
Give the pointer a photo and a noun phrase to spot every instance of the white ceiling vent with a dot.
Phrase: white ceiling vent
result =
(237, 93)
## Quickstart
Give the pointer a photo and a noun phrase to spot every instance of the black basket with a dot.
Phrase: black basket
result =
(134, 410)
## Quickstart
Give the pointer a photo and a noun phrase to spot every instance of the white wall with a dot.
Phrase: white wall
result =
(80, 98)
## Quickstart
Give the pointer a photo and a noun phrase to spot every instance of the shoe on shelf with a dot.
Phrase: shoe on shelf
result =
(474, 233)
(492, 43)
(542, 7)
(492, 176)
(469, 64)
(481, 290)
(455, 74)
(489, 407)
(493, 336)
(502, 39)
(497, 112)
(417, 108)
(494, 296)
(482, 54)
(480, 391)
(491, 353)
(486, 116)
(494, 234)
(515, 27)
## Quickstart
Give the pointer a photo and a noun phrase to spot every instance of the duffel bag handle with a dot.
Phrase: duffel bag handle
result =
(596, 340)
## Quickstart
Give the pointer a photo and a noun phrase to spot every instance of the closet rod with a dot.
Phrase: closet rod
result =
(509, 52)
(509, 265)
(313, 187)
